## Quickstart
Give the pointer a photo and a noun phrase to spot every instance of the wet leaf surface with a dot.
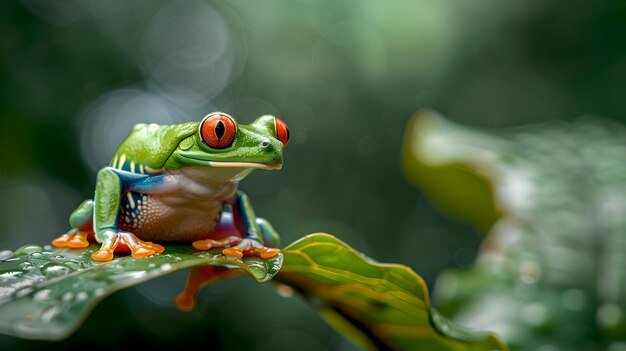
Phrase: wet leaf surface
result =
(47, 293)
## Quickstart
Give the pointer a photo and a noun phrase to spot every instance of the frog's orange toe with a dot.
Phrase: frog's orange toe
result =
(61, 241)
(78, 242)
(208, 244)
(74, 240)
(157, 248)
(143, 252)
(102, 255)
(233, 252)
(202, 245)
(266, 252)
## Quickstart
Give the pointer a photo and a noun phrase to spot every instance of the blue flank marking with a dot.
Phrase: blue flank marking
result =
(139, 182)
(135, 184)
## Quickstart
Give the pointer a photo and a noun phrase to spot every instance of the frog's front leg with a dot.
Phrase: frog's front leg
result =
(253, 241)
(81, 221)
(111, 184)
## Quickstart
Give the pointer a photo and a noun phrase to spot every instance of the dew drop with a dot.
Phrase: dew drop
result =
(49, 313)
(81, 296)
(68, 296)
(5, 254)
(10, 275)
(166, 267)
(42, 295)
(36, 255)
(28, 249)
(53, 270)
(26, 266)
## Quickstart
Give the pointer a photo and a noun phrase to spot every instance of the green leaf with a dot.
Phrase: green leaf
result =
(379, 306)
(552, 269)
(453, 167)
(47, 293)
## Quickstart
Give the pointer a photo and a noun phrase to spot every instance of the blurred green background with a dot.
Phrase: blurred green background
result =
(344, 75)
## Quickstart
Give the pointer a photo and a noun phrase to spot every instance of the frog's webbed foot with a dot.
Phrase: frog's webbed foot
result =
(250, 247)
(73, 239)
(208, 244)
(138, 247)
(238, 247)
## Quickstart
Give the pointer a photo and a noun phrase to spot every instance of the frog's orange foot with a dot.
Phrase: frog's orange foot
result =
(138, 247)
(267, 252)
(208, 244)
(73, 240)
(249, 247)
(103, 255)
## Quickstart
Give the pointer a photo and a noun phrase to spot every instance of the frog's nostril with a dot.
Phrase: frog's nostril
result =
(265, 143)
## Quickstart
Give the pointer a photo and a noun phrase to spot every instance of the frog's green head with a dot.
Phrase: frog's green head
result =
(221, 142)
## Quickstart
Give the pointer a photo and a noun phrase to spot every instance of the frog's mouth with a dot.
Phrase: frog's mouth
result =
(230, 164)
(245, 165)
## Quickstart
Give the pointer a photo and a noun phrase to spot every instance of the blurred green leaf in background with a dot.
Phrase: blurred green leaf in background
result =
(344, 75)
(550, 274)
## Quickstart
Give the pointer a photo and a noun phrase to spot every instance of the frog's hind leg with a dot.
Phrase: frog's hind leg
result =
(198, 277)
(81, 221)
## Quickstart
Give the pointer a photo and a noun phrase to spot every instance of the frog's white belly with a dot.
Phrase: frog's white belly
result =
(185, 206)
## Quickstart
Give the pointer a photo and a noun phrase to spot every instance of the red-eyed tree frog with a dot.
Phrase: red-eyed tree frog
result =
(172, 183)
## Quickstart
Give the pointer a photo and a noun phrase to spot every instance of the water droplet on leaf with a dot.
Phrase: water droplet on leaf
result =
(53, 270)
(26, 266)
(68, 296)
(5, 254)
(42, 295)
(10, 275)
(28, 249)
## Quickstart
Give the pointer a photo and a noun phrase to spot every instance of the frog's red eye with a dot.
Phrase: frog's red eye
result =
(218, 130)
(282, 132)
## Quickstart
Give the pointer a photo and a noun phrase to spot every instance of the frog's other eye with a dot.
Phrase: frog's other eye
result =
(218, 130)
(282, 132)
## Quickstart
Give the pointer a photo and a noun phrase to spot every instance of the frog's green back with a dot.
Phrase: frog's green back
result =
(152, 144)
